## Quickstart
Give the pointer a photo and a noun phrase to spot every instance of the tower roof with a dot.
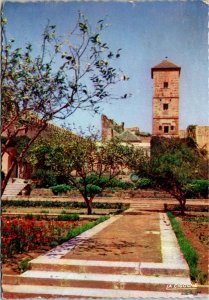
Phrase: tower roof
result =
(165, 65)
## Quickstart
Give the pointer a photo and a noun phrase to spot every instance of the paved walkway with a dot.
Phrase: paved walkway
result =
(130, 238)
(135, 255)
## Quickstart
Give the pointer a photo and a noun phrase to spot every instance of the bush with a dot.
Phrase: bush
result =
(197, 188)
(20, 235)
(59, 189)
(74, 204)
(124, 185)
(93, 189)
(143, 183)
(24, 264)
(46, 178)
(29, 216)
(68, 217)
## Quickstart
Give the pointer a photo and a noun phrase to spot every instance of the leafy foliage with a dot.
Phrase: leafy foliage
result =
(46, 178)
(74, 204)
(68, 217)
(197, 188)
(61, 188)
(19, 235)
(67, 74)
(121, 184)
(143, 183)
(89, 166)
(174, 163)
(78, 230)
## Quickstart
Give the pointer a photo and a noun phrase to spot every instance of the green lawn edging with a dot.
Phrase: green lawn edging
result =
(80, 229)
(188, 251)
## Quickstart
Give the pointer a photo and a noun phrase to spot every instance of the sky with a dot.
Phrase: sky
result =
(147, 32)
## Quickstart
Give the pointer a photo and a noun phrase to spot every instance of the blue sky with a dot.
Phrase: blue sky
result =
(147, 32)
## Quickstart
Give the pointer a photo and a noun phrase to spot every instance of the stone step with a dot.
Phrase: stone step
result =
(96, 280)
(108, 267)
(46, 292)
(14, 188)
(145, 205)
(138, 212)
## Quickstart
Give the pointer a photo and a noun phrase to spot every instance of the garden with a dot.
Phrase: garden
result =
(192, 233)
(24, 238)
(30, 228)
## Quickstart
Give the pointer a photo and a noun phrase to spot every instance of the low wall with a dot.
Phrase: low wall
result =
(107, 193)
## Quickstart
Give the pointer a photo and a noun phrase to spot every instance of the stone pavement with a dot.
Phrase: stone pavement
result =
(134, 255)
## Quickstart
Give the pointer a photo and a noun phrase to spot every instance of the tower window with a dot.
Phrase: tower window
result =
(166, 129)
(165, 85)
(160, 127)
(172, 127)
(165, 106)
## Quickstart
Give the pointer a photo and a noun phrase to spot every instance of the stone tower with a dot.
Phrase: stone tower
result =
(165, 99)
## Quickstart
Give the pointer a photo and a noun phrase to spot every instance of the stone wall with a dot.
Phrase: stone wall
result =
(108, 126)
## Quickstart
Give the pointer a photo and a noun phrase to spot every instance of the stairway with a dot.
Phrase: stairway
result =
(146, 206)
(53, 276)
(14, 187)
(99, 279)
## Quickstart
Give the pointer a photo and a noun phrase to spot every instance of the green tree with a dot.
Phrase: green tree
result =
(89, 165)
(173, 164)
(68, 74)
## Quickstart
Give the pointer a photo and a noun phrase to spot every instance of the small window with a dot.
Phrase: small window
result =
(160, 127)
(165, 106)
(166, 129)
(165, 85)
(172, 127)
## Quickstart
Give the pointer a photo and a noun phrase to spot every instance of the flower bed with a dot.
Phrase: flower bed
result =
(35, 238)
(20, 235)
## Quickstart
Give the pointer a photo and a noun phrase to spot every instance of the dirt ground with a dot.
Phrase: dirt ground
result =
(195, 228)
(12, 265)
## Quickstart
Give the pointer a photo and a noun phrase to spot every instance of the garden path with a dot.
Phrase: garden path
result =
(134, 255)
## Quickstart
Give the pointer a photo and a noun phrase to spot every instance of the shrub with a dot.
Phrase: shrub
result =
(19, 235)
(121, 184)
(68, 217)
(46, 178)
(23, 265)
(74, 204)
(61, 188)
(93, 189)
(143, 183)
(197, 188)
(43, 211)
(29, 216)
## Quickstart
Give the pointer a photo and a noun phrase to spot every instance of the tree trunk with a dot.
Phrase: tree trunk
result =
(182, 201)
(89, 209)
(88, 204)
(180, 197)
